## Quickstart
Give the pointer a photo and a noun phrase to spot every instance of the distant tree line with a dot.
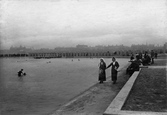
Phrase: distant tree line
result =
(81, 51)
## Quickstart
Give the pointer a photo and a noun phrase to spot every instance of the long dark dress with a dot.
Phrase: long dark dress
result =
(102, 72)
(113, 70)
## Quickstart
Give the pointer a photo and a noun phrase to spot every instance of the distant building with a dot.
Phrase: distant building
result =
(81, 46)
(19, 49)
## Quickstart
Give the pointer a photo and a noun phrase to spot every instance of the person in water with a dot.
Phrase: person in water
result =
(21, 73)
(114, 69)
(102, 73)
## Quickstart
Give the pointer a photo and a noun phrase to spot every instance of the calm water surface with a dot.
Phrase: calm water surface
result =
(49, 83)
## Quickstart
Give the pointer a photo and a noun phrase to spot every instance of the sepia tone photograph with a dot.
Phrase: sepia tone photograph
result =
(83, 57)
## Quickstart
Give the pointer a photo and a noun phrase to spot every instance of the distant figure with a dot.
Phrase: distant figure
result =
(114, 69)
(78, 59)
(147, 59)
(132, 57)
(48, 62)
(102, 72)
(140, 55)
(152, 56)
(21, 73)
(134, 66)
(156, 54)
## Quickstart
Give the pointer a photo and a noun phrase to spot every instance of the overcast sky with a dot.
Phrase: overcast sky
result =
(61, 23)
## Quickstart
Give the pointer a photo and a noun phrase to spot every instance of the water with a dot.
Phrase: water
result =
(49, 83)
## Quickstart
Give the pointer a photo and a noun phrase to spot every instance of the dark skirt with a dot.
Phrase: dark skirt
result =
(114, 76)
(102, 75)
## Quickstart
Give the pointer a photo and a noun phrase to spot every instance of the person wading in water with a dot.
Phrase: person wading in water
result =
(21, 73)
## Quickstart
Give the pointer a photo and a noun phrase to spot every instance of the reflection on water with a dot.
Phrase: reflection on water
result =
(48, 83)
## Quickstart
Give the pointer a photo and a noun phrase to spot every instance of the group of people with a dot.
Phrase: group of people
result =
(134, 66)
(141, 59)
(114, 70)
(146, 58)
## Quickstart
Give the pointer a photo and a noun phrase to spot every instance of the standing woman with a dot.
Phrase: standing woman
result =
(102, 72)
(114, 69)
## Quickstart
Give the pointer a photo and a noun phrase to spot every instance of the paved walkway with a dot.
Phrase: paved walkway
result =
(157, 67)
(95, 100)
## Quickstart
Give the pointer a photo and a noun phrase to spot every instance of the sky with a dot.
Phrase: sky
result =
(66, 23)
